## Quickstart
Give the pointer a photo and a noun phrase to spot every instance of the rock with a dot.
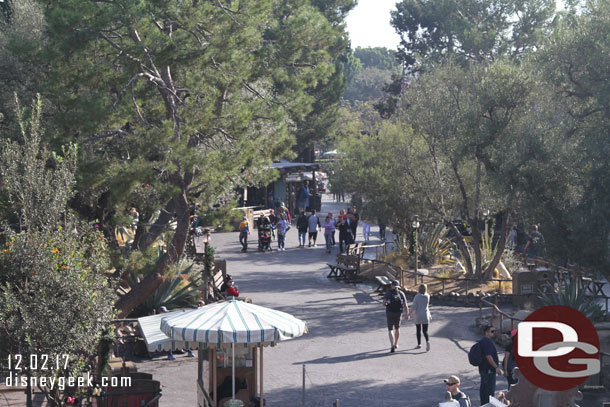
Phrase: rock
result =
(521, 314)
(503, 273)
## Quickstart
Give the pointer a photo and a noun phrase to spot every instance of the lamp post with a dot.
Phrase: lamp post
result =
(206, 265)
(415, 226)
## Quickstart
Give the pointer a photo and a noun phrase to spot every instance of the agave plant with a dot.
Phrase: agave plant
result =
(179, 290)
(435, 247)
(572, 297)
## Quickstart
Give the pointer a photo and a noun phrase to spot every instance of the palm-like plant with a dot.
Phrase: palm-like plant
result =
(572, 297)
(180, 290)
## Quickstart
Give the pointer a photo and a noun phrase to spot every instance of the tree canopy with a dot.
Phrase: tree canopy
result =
(179, 103)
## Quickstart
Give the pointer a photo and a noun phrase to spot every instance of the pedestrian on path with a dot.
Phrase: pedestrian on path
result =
(422, 317)
(302, 226)
(490, 366)
(282, 227)
(453, 387)
(329, 229)
(382, 226)
(244, 231)
(395, 304)
(346, 236)
(508, 364)
(366, 230)
(314, 223)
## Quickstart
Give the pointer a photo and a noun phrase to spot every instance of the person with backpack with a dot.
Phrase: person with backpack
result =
(453, 387)
(395, 303)
(244, 231)
(485, 356)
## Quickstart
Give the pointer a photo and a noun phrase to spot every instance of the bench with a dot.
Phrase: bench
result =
(347, 267)
(384, 284)
(217, 281)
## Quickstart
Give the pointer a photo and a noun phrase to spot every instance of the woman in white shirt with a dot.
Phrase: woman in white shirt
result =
(422, 318)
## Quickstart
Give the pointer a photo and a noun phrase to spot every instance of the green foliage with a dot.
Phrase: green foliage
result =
(377, 57)
(54, 297)
(434, 30)
(435, 247)
(174, 105)
(572, 297)
(367, 72)
(180, 289)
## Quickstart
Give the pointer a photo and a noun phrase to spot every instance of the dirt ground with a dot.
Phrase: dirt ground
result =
(446, 284)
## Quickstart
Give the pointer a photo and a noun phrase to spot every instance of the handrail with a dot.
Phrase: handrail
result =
(498, 310)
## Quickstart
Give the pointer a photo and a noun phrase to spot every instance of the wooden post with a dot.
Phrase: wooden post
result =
(467, 287)
(443, 290)
(499, 286)
(214, 375)
(262, 401)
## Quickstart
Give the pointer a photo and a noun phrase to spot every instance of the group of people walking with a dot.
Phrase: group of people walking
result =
(309, 225)
(395, 304)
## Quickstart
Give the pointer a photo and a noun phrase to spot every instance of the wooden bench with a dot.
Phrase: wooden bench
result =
(217, 281)
(384, 284)
(346, 267)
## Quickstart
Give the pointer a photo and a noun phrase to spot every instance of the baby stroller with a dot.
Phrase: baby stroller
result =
(265, 238)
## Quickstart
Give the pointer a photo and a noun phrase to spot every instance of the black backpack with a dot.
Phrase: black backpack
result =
(475, 355)
(395, 302)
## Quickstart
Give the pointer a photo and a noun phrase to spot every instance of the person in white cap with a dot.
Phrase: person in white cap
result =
(395, 303)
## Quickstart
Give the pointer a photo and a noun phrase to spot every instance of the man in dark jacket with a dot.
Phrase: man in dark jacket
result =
(490, 366)
(395, 303)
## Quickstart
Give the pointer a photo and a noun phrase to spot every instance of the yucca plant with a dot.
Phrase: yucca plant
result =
(572, 297)
(435, 247)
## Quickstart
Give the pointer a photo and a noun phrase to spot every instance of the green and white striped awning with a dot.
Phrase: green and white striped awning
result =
(157, 341)
(232, 322)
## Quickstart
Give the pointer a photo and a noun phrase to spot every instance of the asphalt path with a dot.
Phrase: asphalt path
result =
(346, 351)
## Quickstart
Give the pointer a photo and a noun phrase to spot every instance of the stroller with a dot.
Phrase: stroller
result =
(264, 238)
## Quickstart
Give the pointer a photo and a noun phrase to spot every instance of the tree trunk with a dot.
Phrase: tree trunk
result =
(463, 247)
(476, 247)
(506, 226)
(152, 281)
(144, 240)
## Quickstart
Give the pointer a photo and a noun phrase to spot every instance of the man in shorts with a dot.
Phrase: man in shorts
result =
(395, 304)
(314, 224)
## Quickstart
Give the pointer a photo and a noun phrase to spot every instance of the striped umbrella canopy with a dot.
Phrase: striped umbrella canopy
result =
(232, 322)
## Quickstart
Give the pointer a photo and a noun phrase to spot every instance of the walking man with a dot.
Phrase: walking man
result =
(314, 224)
(453, 387)
(244, 231)
(395, 303)
(490, 366)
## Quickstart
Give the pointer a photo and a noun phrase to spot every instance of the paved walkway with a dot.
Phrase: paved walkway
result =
(346, 351)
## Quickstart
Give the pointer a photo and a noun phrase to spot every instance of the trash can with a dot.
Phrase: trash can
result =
(525, 286)
(315, 202)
